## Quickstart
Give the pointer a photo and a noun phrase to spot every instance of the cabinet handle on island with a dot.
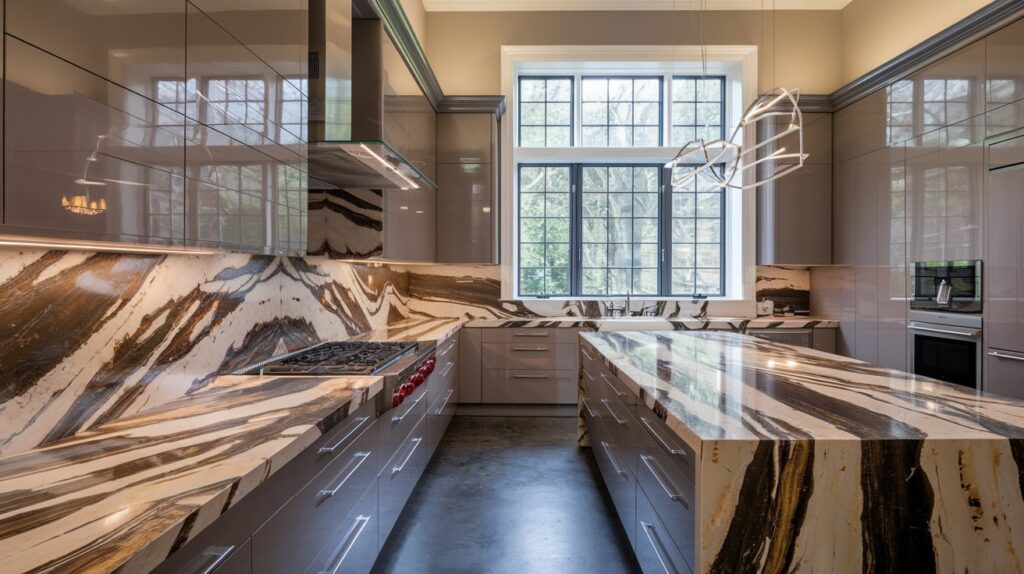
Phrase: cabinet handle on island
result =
(445, 403)
(416, 444)
(611, 458)
(655, 540)
(361, 456)
(586, 405)
(359, 525)
(529, 376)
(541, 334)
(662, 442)
(608, 406)
(329, 449)
(586, 354)
(649, 462)
(530, 349)
(617, 392)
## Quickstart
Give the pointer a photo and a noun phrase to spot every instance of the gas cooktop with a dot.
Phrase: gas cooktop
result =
(337, 358)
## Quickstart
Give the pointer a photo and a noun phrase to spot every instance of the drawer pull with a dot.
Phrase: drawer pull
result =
(1000, 355)
(445, 403)
(329, 449)
(359, 524)
(586, 354)
(589, 376)
(448, 370)
(586, 405)
(361, 456)
(650, 463)
(529, 376)
(416, 444)
(209, 560)
(611, 458)
(608, 406)
(400, 418)
(530, 349)
(661, 442)
(618, 393)
(541, 334)
(655, 540)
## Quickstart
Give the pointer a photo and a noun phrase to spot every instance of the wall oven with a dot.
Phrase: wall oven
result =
(944, 330)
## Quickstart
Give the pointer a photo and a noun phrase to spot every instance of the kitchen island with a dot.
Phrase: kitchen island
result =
(726, 453)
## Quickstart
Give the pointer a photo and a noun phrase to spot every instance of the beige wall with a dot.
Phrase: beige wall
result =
(417, 16)
(876, 31)
(464, 48)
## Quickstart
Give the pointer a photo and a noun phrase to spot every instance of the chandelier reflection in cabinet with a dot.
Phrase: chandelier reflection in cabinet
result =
(85, 204)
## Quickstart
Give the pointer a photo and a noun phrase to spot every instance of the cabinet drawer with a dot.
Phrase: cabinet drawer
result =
(660, 441)
(530, 387)
(399, 478)
(397, 423)
(354, 549)
(624, 430)
(672, 495)
(529, 355)
(439, 414)
(654, 548)
(529, 335)
(617, 479)
(330, 495)
(601, 384)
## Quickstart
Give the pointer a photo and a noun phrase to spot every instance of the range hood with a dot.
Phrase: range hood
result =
(356, 89)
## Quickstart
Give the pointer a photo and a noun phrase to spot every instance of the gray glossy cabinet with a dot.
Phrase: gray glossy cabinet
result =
(860, 127)
(156, 124)
(410, 227)
(467, 195)
(1004, 97)
(820, 339)
(794, 218)
(470, 366)
(239, 562)
(1004, 372)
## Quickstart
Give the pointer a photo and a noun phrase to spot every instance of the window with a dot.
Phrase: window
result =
(698, 109)
(900, 111)
(293, 114)
(545, 112)
(236, 101)
(596, 215)
(621, 112)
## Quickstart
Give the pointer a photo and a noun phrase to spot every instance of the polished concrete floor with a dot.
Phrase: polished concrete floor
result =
(509, 495)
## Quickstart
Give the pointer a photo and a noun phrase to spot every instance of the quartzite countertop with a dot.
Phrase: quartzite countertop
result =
(819, 463)
(659, 323)
(127, 493)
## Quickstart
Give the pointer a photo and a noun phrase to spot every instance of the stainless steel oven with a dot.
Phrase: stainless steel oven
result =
(946, 346)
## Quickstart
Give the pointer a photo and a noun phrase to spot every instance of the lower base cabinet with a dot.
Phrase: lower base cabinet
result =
(356, 549)
(655, 550)
(1004, 372)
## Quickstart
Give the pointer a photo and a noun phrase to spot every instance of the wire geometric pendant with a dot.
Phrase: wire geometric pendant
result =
(716, 164)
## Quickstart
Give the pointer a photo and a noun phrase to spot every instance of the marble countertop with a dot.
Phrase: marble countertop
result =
(661, 323)
(126, 494)
(712, 385)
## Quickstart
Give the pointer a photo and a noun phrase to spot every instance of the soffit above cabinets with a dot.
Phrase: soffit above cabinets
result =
(618, 5)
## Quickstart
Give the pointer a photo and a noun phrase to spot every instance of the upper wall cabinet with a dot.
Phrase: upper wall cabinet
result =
(794, 212)
(467, 188)
(409, 121)
(1004, 81)
(154, 122)
(860, 127)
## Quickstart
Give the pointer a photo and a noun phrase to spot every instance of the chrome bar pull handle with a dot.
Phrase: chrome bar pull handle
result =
(361, 458)
(611, 458)
(401, 417)
(655, 540)
(586, 405)
(330, 449)
(530, 349)
(608, 406)
(649, 462)
(999, 355)
(662, 442)
(445, 403)
(416, 444)
(618, 393)
(359, 524)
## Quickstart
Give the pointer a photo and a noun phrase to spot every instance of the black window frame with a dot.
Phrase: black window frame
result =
(608, 102)
(572, 108)
(723, 80)
(664, 234)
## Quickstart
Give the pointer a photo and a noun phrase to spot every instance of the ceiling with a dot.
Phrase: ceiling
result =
(620, 5)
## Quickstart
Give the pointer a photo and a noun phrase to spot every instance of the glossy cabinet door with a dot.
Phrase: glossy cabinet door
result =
(892, 275)
(137, 45)
(409, 122)
(1004, 79)
(1004, 372)
(410, 225)
(1004, 256)
(844, 196)
(467, 195)
(860, 127)
(470, 366)
(795, 218)
(85, 158)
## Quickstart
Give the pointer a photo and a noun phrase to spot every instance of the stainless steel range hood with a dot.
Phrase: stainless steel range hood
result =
(363, 109)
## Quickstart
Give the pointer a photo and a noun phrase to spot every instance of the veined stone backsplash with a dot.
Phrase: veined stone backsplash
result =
(89, 337)
(785, 286)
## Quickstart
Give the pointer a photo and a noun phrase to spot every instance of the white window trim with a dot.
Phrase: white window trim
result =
(741, 258)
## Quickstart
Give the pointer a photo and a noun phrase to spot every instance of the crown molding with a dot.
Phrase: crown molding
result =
(981, 23)
(618, 5)
(473, 105)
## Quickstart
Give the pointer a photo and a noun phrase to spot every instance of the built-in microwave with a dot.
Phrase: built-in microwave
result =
(946, 286)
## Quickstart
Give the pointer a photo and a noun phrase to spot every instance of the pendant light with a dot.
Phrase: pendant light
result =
(716, 164)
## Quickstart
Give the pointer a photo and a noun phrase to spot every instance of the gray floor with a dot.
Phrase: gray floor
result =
(509, 495)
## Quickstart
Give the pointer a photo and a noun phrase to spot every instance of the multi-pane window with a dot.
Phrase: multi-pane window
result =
(1000, 92)
(697, 240)
(619, 232)
(545, 112)
(620, 112)
(945, 101)
(900, 111)
(592, 223)
(698, 109)
(236, 101)
(293, 114)
(544, 229)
